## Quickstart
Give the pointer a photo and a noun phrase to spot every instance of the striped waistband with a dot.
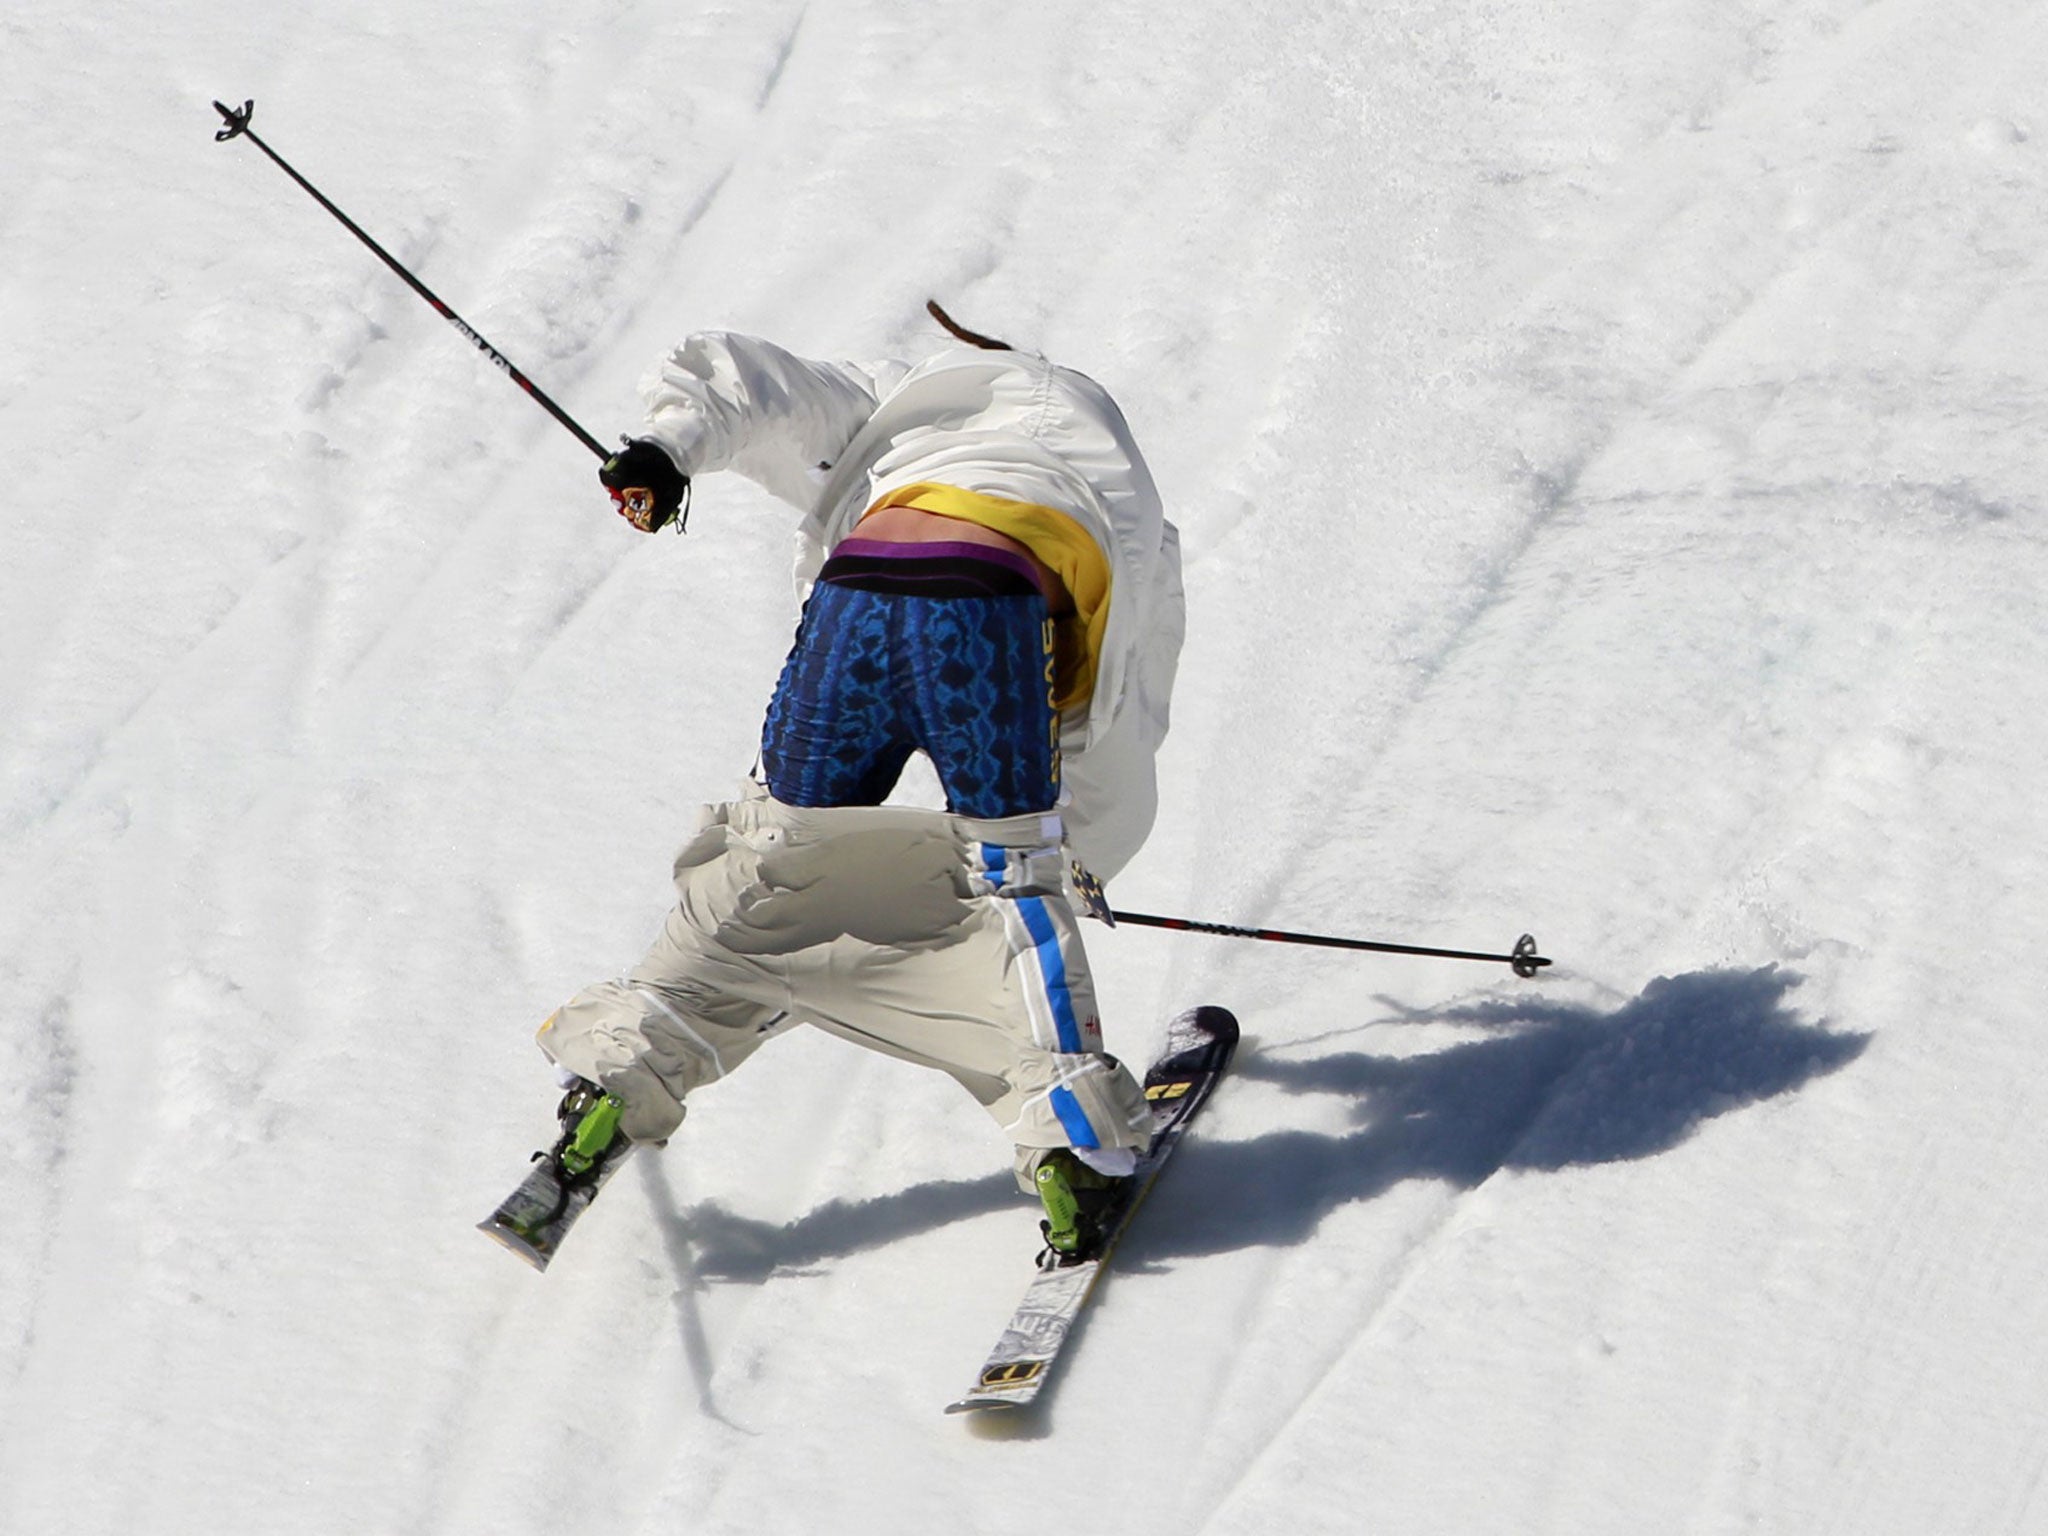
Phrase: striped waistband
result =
(946, 568)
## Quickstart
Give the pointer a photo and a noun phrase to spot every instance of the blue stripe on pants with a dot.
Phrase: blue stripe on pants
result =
(1079, 1131)
(1052, 969)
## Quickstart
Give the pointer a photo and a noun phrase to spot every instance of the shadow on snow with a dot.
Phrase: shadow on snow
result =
(1550, 1086)
(1547, 1086)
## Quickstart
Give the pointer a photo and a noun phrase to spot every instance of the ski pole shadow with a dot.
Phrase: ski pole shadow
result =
(1551, 1086)
(680, 1243)
(738, 1248)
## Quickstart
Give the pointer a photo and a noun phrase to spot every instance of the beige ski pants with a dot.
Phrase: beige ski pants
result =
(930, 937)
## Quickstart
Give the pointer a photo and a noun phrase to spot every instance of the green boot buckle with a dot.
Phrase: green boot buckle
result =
(1064, 1231)
(585, 1143)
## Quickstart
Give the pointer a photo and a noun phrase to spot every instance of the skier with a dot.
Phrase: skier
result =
(986, 576)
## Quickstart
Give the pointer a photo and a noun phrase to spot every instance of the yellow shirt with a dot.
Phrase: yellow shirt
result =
(1061, 544)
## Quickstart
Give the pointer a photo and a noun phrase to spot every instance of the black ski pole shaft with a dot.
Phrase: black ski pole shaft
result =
(1523, 957)
(238, 127)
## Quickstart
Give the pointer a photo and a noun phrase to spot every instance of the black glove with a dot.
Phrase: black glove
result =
(645, 484)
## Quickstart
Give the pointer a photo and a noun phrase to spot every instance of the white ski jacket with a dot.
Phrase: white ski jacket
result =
(837, 439)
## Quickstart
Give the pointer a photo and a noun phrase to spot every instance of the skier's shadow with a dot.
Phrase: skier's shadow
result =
(1545, 1086)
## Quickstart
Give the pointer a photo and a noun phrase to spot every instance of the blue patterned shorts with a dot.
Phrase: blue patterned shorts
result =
(927, 650)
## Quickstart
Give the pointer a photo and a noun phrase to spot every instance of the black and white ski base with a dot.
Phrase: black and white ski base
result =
(535, 1217)
(1198, 1048)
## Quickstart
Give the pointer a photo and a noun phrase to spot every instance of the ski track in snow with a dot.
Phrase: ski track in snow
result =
(1605, 441)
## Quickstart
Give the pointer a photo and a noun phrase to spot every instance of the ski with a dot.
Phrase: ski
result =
(1198, 1048)
(535, 1217)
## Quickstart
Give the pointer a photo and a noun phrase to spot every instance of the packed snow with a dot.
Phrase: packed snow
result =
(1605, 437)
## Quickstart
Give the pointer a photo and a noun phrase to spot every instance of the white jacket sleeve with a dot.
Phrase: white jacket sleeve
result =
(724, 401)
(1113, 784)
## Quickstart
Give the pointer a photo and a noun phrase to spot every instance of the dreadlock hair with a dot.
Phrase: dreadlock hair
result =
(960, 332)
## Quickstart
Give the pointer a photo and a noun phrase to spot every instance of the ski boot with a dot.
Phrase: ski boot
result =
(558, 1188)
(590, 1133)
(1079, 1203)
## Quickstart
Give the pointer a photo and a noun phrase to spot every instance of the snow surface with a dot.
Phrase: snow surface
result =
(1606, 437)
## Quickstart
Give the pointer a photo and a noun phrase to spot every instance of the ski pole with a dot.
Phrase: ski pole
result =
(1522, 957)
(238, 127)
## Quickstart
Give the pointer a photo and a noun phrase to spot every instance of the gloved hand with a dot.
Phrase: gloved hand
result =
(645, 484)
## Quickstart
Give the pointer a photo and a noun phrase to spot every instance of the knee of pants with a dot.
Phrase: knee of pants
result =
(629, 1040)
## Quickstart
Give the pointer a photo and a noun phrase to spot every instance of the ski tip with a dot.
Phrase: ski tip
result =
(1206, 1028)
(513, 1244)
(993, 1415)
(1218, 1023)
